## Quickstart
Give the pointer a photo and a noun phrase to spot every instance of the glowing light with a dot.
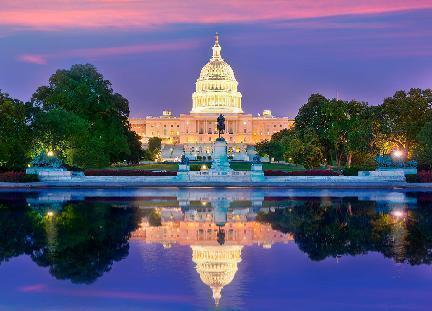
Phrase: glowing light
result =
(50, 153)
(398, 154)
(204, 167)
(50, 213)
(398, 214)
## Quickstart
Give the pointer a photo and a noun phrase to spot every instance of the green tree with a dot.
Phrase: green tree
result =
(424, 148)
(313, 117)
(83, 119)
(154, 147)
(350, 129)
(402, 116)
(271, 148)
(15, 133)
(305, 150)
(343, 129)
(154, 144)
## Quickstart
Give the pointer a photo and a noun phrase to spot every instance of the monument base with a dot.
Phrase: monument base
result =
(220, 165)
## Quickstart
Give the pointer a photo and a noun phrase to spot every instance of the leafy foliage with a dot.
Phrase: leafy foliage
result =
(424, 148)
(83, 120)
(402, 117)
(349, 227)
(16, 135)
(86, 239)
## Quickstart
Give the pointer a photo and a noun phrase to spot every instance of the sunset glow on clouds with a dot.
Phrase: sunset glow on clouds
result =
(92, 53)
(55, 14)
(152, 51)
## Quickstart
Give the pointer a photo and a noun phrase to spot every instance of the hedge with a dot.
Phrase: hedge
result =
(128, 173)
(301, 173)
(18, 177)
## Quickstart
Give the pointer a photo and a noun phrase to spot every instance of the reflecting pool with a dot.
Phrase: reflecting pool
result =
(224, 249)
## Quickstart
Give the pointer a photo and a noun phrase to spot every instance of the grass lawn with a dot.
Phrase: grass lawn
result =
(282, 167)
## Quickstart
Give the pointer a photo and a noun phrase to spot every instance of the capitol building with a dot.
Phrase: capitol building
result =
(216, 92)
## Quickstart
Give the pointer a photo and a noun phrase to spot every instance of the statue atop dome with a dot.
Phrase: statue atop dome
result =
(216, 49)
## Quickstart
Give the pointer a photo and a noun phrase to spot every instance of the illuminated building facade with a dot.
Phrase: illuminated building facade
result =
(216, 92)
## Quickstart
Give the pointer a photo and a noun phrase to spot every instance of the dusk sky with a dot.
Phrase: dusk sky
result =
(281, 51)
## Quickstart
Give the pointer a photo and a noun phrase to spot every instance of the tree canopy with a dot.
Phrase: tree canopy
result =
(83, 120)
(402, 116)
(16, 135)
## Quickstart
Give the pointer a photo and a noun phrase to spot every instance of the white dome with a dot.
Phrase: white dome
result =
(216, 88)
(217, 69)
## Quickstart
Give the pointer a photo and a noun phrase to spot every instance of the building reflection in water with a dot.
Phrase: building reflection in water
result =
(216, 234)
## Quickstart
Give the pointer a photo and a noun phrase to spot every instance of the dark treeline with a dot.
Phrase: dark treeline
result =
(345, 133)
(345, 226)
(77, 115)
(79, 242)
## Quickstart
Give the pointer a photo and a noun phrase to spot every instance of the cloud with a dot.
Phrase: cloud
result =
(126, 14)
(95, 53)
(32, 59)
(126, 295)
(33, 288)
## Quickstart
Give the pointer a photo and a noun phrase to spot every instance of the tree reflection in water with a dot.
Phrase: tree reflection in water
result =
(347, 226)
(21, 232)
(80, 242)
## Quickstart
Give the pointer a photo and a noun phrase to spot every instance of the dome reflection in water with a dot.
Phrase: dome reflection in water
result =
(80, 236)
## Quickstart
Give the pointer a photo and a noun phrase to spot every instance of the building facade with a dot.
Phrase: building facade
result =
(216, 92)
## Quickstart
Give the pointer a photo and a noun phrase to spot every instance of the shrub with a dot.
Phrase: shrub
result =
(128, 173)
(411, 178)
(353, 170)
(301, 173)
(18, 177)
(424, 176)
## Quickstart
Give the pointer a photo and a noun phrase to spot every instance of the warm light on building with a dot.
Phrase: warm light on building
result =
(215, 263)
(216, 91)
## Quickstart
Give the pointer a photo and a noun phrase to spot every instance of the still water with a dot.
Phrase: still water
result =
(224, 249)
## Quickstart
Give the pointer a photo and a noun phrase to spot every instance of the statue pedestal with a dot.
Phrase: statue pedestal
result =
(183, 172)
(184, 168)
(257, 173)
(220, 163)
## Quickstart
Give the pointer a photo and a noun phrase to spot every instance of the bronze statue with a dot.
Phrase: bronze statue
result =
(221, 124)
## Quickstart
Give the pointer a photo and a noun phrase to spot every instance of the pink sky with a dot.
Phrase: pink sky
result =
(92, 53)
(60, 14)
